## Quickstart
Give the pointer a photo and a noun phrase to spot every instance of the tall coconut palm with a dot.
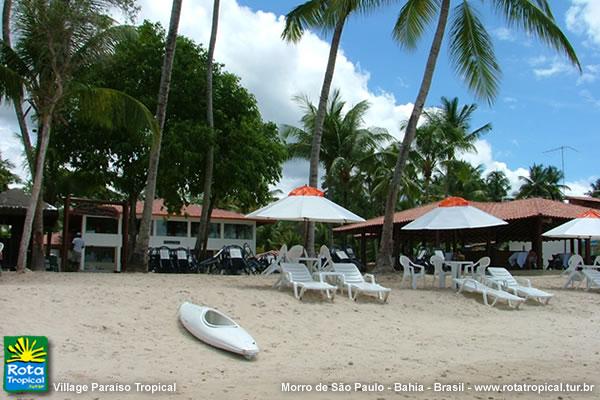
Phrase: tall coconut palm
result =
(330, 16)
(56, 40)
(594, 189)
(472, 53)
(453, 124)
(139, 257)
(497, 185)
(208, 168)
(344, 144)
(542, 182)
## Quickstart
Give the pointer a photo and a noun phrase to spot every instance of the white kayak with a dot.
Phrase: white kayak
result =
(217, 329)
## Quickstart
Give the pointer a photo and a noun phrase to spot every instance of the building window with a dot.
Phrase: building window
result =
(101, 225)
(171, 228)
(214, 231)
(238, 231)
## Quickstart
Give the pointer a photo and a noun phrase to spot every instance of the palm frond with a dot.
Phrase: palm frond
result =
(414, 18)
(10, 84)
(103, 44)
(113, 109)
(472, 53)
(535, 17)
(307, 15)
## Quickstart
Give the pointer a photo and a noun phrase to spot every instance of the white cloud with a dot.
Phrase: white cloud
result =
(580, 187)
(590, 74)
(483, 155)
(504, 34)
(554, 67)
(583, 17)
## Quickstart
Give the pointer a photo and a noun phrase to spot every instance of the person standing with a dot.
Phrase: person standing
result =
(78, 246)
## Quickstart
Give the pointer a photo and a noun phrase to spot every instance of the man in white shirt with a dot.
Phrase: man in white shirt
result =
(78, 245)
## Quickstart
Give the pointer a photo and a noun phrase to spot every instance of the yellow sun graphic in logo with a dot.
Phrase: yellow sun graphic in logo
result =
(26, 352)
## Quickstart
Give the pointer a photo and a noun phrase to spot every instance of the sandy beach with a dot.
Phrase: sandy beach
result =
(110, 328)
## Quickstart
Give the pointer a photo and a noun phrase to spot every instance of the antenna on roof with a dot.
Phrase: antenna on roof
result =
(562, 157)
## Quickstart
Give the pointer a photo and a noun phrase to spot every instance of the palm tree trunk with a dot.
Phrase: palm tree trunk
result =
(384, 258)
(313, 176)
(202, 240)
(18, 103)
(133, 230)
(37, 239)
(46, 121)
(139, 257)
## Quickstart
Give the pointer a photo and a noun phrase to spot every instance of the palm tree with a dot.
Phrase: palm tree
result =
(345, 143)
(330, 16)
(139, 257)
(56, 40)
(497, 185)
(594, 189)
(542, 182)
(453, 124)
(472, 53)
(208, 173)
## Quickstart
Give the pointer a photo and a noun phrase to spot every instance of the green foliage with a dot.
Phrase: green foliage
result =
(249, 151)
(497, 186)
(594, 189)
(6, 176)
(542, 182)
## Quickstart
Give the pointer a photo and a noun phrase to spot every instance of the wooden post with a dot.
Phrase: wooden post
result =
(125, 236)
(363, 249)
(580, 247)
(537, 244)
(588, 251)
(572, 246)
(48, 243)
(65, 235)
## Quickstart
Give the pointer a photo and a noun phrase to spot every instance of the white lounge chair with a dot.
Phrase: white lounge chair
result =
(354, 281)
(509, 283)
(477, 270)
(438, 270)
(597, 261)
(298, 276)
(275, 265)
(592, 278)
(412, 271)
(574, 271)
(473, 286)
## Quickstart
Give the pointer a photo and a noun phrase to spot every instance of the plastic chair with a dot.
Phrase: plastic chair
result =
(477, 270)
(325, 258)
(438, 270)
(294, 253)
(574, 271)
(412, 271)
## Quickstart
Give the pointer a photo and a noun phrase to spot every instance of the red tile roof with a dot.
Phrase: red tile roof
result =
(191, 211)
(584, 198)
(508, 210)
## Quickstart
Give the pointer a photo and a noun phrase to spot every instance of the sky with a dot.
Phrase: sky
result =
(543, 103)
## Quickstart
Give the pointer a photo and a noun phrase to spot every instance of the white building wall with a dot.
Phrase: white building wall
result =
(189, 241)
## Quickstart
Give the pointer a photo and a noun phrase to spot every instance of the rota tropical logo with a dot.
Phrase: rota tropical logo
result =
(25, 364)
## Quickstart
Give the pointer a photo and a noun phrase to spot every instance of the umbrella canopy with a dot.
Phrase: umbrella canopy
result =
(454, 213)
(585, 226)
(305, 204)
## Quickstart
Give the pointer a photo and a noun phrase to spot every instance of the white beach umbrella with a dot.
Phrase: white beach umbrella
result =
(585, 226)
(305, 204)
(454, 213)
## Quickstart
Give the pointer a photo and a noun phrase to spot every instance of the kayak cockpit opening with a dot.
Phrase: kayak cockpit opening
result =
(216, 319)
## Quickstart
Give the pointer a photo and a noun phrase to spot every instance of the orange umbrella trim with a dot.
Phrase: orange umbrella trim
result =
(307, 191)
(453, 202)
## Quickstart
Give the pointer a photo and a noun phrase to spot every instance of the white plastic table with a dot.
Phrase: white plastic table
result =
(457, 268)
(313, 263)
(339, 277)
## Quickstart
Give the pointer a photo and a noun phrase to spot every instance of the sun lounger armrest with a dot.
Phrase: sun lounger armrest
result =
(319, 275)
(525, 280)
(493, 283)
(370, 277)
(288, 277)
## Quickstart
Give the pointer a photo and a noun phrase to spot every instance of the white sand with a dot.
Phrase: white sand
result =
(123, 328)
